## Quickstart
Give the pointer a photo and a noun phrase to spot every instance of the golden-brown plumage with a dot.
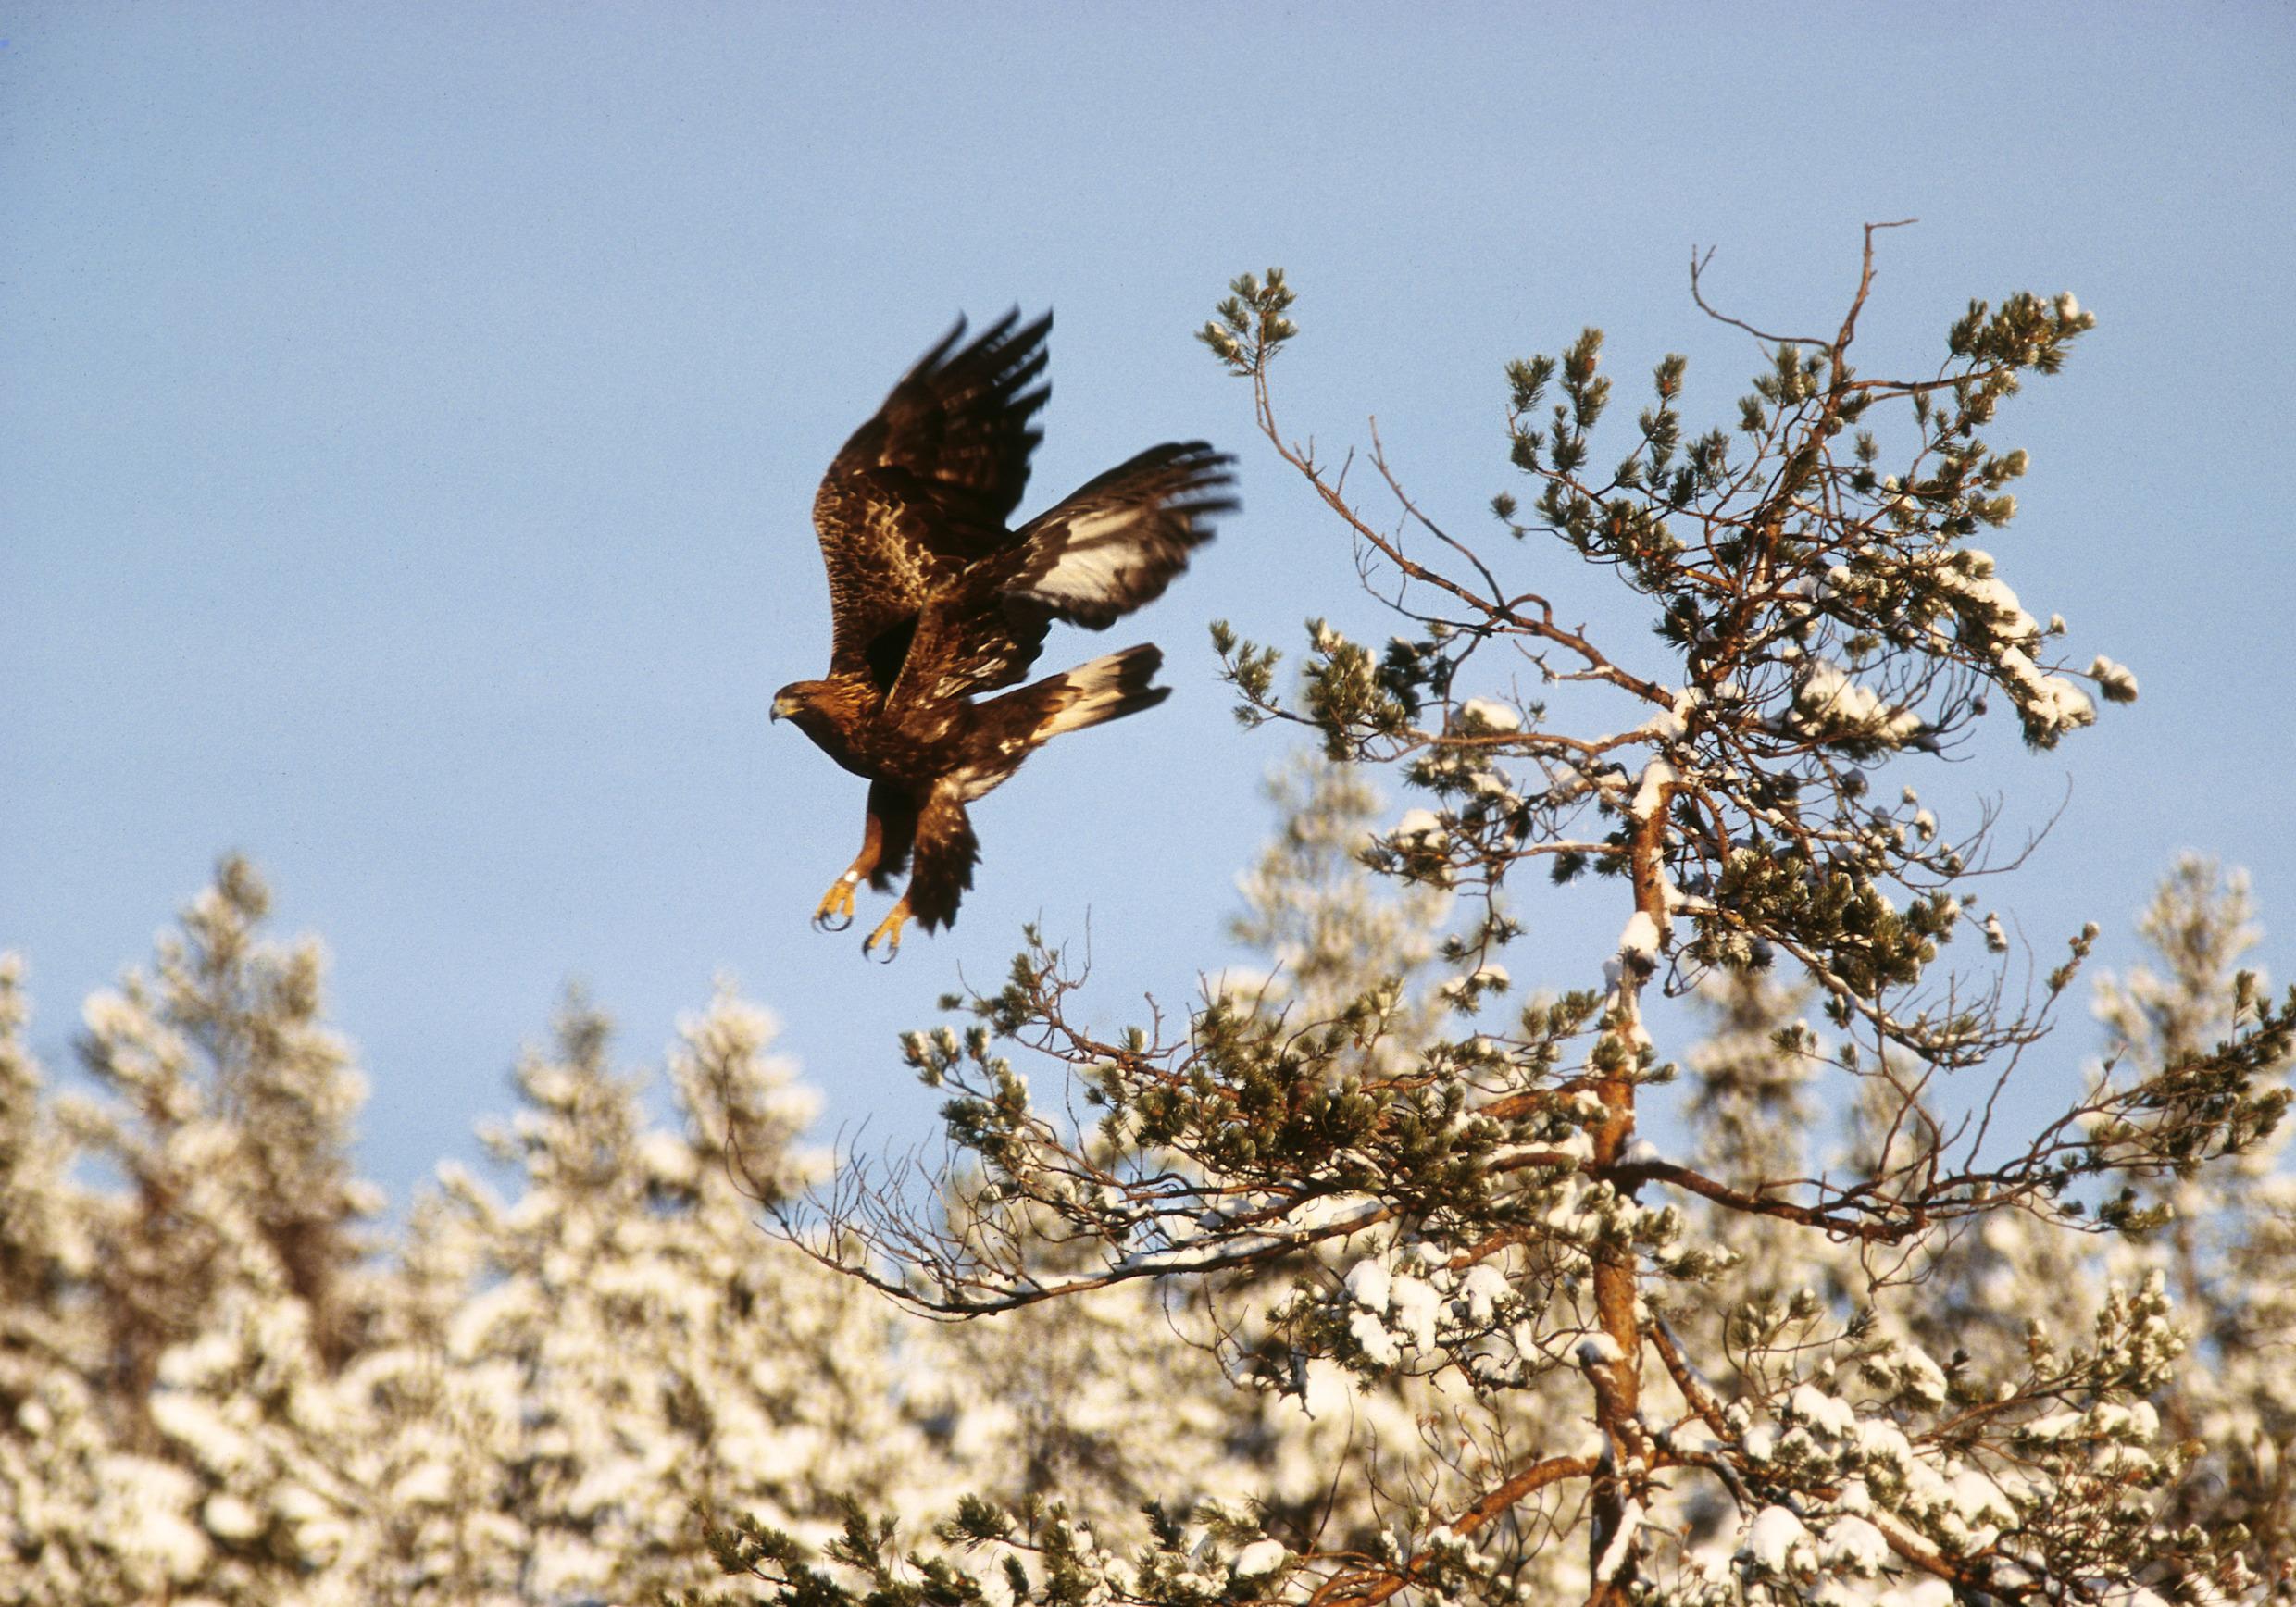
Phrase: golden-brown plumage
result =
(935, 600)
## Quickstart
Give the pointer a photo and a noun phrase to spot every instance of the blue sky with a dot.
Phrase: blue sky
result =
(409, 415)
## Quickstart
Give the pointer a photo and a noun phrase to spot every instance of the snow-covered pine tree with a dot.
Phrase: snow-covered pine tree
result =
(2228, 1246)
(1487, 1209)
(82, 1519)
(221, 1283)
(216, 1390)
(582, 1366)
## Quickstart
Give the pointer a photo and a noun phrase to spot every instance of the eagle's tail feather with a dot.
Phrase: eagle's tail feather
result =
(1106, 689)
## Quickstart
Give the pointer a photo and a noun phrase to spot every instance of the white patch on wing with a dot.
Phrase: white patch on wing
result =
(1085, 573)
(1093, 526)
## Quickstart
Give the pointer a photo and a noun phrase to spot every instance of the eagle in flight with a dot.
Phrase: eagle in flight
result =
(934, 602)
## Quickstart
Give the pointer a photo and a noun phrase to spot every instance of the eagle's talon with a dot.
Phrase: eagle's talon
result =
(889, 929)
(835, 912)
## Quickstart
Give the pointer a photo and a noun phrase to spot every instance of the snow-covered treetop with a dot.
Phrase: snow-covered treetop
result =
(1812, 575)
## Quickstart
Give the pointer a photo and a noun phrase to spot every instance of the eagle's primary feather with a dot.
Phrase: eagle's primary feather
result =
(935, 599)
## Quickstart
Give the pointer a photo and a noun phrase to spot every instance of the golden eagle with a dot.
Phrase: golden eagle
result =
(934, 600)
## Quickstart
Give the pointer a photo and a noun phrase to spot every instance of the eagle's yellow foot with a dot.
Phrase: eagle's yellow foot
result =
(835, 912)
(888, 930)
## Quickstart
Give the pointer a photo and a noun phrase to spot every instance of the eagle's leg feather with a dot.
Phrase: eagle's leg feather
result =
(888, 930)
(835, 911)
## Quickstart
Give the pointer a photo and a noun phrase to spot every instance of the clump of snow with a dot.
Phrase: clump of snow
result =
(1259, 1558)
(1777, 1540)
(1640, 936)
(1621, 1543)
(1415, 1307)
(2049, 705)
(1913, 1371)
(1969, 574)
(1481, 1291)
(2117, 681)
(228, 1517)
(1819, 1410)
(1856, 1545)
(426, 1484)
(1673, 725)
(1651, 792)
(1481, 714)
(1369, 1284)
(1830, 704)
(1420, 828)
(1598, 1350)
(151, 1498)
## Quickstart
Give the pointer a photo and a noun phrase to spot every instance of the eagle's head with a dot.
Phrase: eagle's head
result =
(801, 698)
(819, 708)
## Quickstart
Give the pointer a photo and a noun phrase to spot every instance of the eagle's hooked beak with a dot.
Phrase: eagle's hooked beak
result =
(782, 706)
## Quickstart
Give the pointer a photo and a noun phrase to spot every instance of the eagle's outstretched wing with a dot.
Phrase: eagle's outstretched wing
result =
(925, 486)
(1111, 545)
(1116, 542)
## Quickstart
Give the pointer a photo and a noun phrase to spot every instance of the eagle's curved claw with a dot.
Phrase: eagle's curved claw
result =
(888, 929)
(835, 912)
